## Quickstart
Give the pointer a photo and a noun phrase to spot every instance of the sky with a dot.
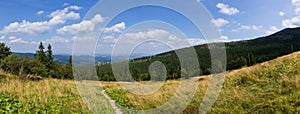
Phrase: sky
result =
(25, 23)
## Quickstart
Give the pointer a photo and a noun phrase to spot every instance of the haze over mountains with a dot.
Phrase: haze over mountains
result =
(64, 58)
(264, 48)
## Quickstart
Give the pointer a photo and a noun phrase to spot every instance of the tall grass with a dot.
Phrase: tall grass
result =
(270, 87)
(59, 95)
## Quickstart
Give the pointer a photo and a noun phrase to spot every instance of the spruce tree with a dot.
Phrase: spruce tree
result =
(40, 54)
(50, 60)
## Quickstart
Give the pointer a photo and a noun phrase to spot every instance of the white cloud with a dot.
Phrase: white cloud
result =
(272, 30)
(116, 28)
(219, 22)
(154, 33)
(224, 38)
(57, 39)
(19, 40)
(295, 1)
(2, 37)
(250, 27)
(294, 21)
(291, 23)
(65, 4)
(281, 13)
(40, 12)
(196, 41)
(34, 42)
(12, 37)
(34, 28)
(226, 9)
(84, 26)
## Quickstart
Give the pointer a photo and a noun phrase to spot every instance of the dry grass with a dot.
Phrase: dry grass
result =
(44, 92)
(246, 90)
(270, 87)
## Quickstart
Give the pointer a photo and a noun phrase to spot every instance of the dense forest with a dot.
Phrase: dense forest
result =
(42, 65)
(239, 54)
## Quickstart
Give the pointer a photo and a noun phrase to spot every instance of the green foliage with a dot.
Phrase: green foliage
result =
(120, 96)
(252, 60)
(49, 59)
(238, 63)
(4, 51)
(8, 104)
(22, 65)
(42, 64)
(40, 54)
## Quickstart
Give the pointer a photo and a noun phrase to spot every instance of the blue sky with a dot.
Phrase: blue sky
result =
(26, 23)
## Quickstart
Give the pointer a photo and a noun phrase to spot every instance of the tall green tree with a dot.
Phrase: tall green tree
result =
(40, 54)
(49, 58)
(69, 69)
(4, 51)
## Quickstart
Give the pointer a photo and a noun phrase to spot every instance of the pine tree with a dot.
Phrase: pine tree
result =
(69, 69)
(40, 54)
(50, 60)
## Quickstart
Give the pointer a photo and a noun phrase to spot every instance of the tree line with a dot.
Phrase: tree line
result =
(41, 65)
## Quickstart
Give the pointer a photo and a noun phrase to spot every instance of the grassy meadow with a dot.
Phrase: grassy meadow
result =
(269, 87)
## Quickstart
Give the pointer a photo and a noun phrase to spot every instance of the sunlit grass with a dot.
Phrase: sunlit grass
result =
(269, 87)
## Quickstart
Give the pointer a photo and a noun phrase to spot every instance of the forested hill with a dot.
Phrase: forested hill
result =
(239, 54)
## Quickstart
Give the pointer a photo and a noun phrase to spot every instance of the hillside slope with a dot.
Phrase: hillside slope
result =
(252, 51)
(269, 87)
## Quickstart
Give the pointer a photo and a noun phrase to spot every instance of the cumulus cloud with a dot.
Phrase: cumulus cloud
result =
(84, 26)
(116, 28)
(291, 23)
(12, 37)
(224, 38)
(281, 13)
(294, 21)
(226, 9)
(57, 39)
(219, 22)
(154, 33)
(40, 12)
(196, 41)
(250, 27)
(272, 30)
(2, 37)
(296, 3)
(33, 28)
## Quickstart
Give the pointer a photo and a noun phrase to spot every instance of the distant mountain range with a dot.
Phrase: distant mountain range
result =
(99, 57)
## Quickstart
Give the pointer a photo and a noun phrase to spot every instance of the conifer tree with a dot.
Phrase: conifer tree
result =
(40, 54)
(50, 60)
